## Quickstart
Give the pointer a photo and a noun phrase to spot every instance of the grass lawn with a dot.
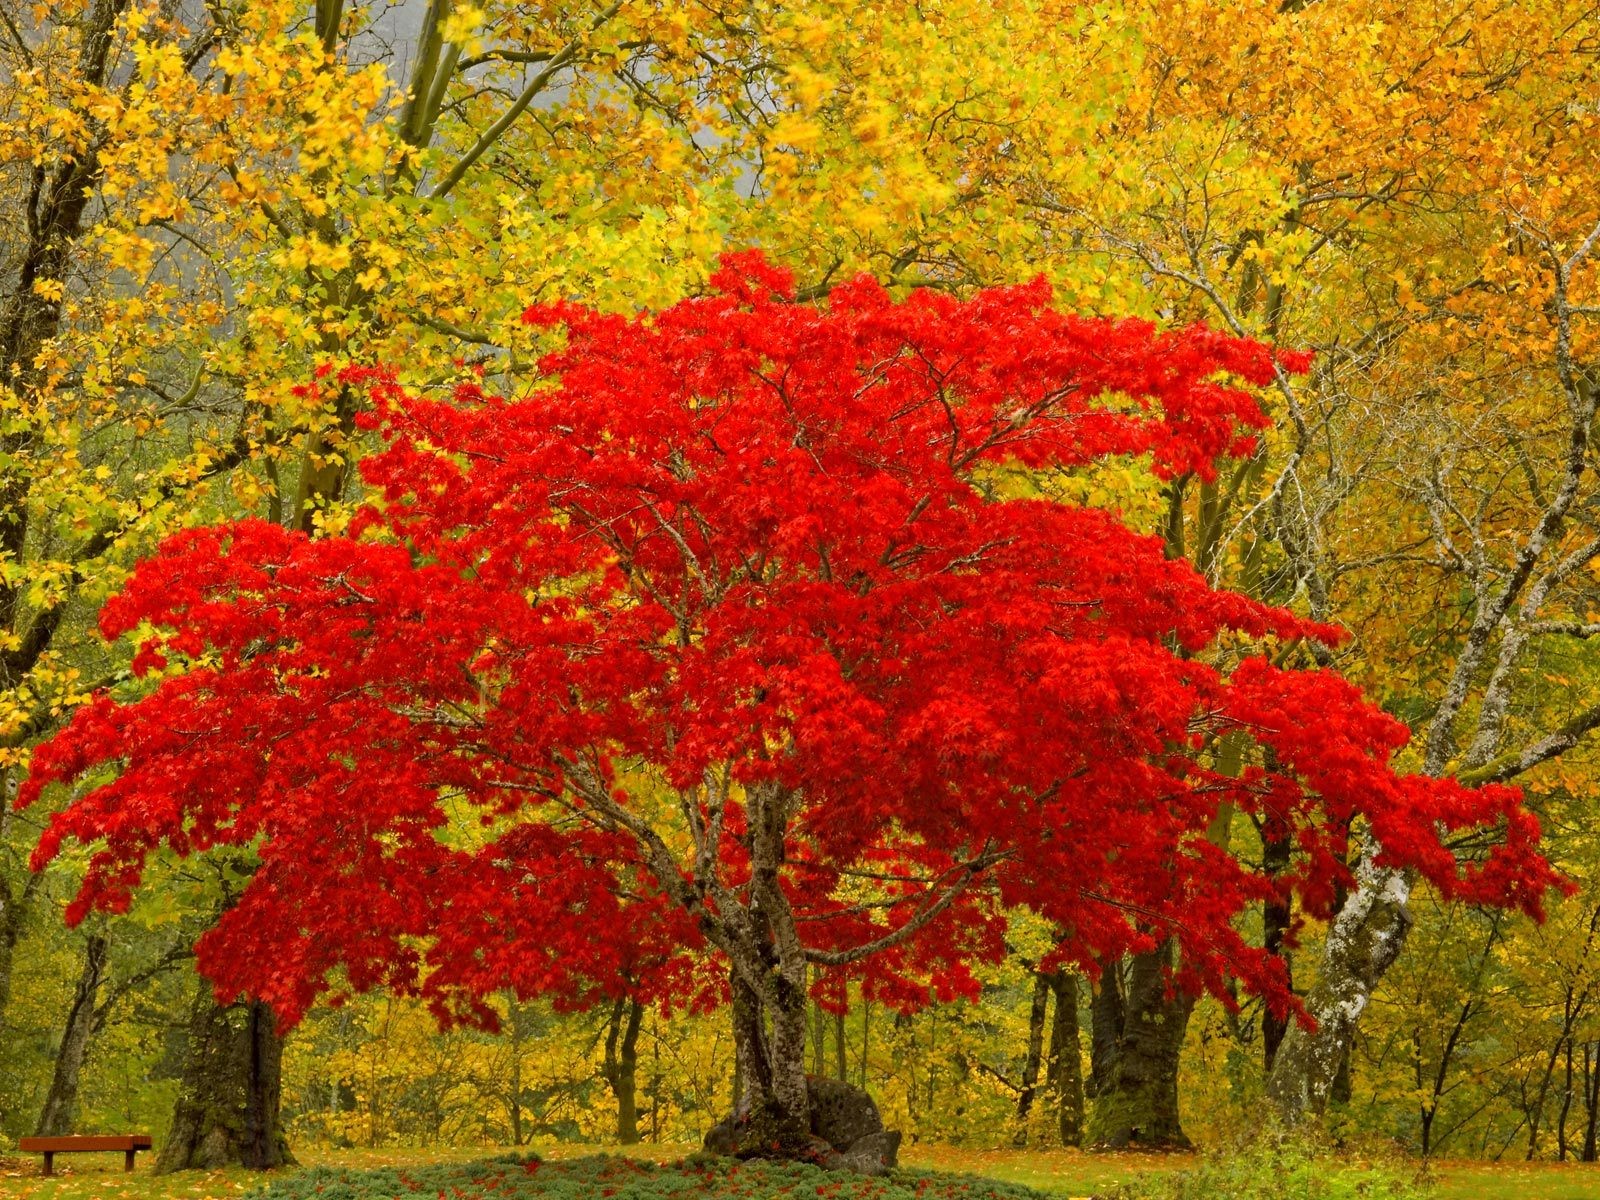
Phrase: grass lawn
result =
(1058, 1172)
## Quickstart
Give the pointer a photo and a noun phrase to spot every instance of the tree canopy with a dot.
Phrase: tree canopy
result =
(752, 626)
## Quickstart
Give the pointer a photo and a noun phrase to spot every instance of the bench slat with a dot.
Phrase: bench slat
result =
(69, 1145)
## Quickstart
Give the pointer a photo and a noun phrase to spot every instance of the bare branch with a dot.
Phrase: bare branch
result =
(966, 872)
(535, 85)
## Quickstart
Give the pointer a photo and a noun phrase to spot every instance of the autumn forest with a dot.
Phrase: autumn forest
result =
(797, 597)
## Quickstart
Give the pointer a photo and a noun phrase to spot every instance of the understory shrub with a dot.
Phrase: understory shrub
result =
(525, 1177)
(1275, 1165)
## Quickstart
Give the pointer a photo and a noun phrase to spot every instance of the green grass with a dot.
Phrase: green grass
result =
(1059, 1173)
(1517, 1181)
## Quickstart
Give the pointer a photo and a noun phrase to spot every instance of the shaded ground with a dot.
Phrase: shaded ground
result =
(1057, 1172)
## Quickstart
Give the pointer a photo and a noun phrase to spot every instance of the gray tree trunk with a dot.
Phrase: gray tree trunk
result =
(60, 1109)
(228, 1105)
(1364, 940)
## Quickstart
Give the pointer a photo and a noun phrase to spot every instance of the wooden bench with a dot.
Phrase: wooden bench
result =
(129, 1143)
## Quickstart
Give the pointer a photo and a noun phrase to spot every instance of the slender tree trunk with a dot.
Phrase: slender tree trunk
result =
(1427, 1103)
(1572, 1009)
(1136, 1103)
(866, 1038)
(842, 1071)
(655, 1078)
(1030, 1064)
(60, 1110)
(1566, 1107)
(1591, 1101)
(228, 1102)
(515, 1106)
(1064, 1070)
(12, 909)
(1275, 919)
(819, 1040)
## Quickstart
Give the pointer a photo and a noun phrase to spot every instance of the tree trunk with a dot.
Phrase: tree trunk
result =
(1566, 1107)
(1591, 1101)
(60, 1110)
(819, 1040)
(227, 1110)
(14, 905)
(768, 980)
(1106, 1016)
(518, 1030)
(621, 1068)
(1136, 1101)
(1030, 1064)
(839, 1048)
(1064, 1070)
(1275, 919)
(1363, 942)
(866, 1037)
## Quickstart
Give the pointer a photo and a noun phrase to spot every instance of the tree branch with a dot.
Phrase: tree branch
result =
(536, 85)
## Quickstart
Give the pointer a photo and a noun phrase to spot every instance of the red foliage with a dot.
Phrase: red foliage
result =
(763, 542)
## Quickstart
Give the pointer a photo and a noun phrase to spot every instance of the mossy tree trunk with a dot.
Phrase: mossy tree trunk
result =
(1136, 1094)
(1064, 1068)
(621, 1066)
(228, 1104)
(1106, 1016)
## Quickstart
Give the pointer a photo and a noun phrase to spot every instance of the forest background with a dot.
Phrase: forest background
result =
(203, 203)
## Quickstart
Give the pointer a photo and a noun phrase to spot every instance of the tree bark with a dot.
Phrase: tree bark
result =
(1136, 1102)
(1064, 1069)
(1030, 1064)
(1591, 1101)
(14, 905)
(1106, 1017)
(1363, 942)
(842, 1068)
(228, 1104)
(1276, 915)
(1566, 1107)
(819, 1039)
(515, 1105)
(60, 1109)
(621, 1068)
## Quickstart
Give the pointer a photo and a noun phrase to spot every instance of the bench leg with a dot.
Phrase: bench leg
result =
(49, 1162)
(127, 1160)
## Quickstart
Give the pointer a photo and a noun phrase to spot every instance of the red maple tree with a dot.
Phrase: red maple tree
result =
(749, 636)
